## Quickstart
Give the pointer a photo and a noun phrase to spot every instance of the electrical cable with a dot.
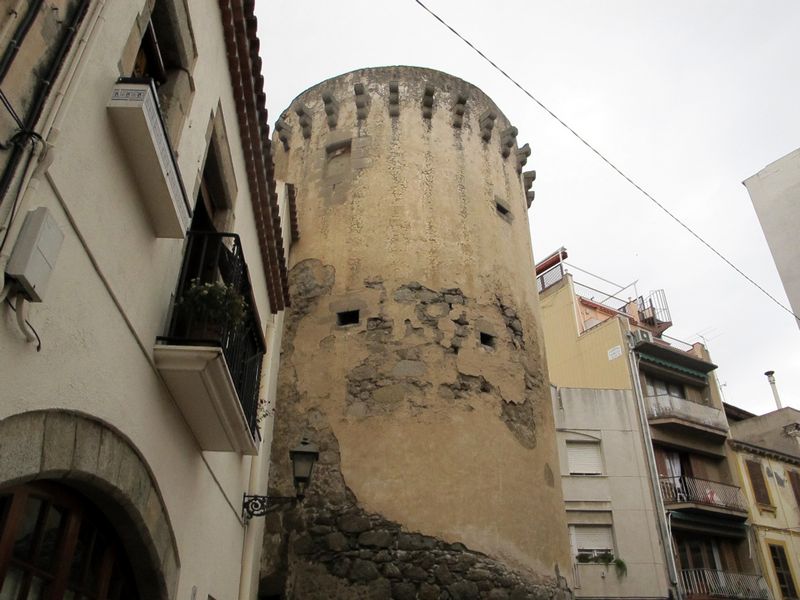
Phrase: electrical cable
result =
(10, 109)
(28, 323)
(608, 162)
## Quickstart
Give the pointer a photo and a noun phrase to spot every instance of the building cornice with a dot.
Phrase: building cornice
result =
(761, 451)
(241, 42)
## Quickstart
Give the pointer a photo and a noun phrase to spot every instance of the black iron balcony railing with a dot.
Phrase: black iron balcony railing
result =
(702, 491)
(710, 583)
(214, 306)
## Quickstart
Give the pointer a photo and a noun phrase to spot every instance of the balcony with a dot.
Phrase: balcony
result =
(686, 415)
(701, 494)
(699, 584)
(211, 355)
(133, 109)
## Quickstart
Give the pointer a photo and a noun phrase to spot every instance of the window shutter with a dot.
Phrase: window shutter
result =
(584, 458)
(757, 482)
(794, 478)
(593, 537)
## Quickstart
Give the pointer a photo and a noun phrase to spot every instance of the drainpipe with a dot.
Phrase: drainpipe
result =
(254, 529)
(771, 377)
(663, 525)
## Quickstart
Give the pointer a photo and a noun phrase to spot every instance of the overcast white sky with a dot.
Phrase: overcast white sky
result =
(689, 98)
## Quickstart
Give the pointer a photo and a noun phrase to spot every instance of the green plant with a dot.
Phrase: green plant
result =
(621, 567)
(605, 558)
(214, 303)
(584, 557)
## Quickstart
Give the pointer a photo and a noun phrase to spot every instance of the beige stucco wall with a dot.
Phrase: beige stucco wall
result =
(621, 496)
(595, 358)
(429, 428)
(110, 291)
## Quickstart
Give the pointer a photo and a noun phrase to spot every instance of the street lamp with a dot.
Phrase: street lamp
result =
(303, 457)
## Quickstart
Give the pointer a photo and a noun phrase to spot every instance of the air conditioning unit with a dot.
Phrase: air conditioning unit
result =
(640, 336)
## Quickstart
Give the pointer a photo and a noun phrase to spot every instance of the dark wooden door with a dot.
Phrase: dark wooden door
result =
(56, 545)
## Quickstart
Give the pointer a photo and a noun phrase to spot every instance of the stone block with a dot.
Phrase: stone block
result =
(428, 591)
(303, 544)
(336, 541)
(21, 439)
(414, 541)
(464, 590)
(414, 572)
(59, 442)
(353, 523)
(391, 571)
(363, 570)
(109, 456)
(170, 568)
(443, 575)
(376, 539)
(409, 368)
(133, 479)
(403, 590)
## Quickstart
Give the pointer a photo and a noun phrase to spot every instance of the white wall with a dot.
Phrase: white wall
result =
(109, 295)
(775, 192)
(621, 495)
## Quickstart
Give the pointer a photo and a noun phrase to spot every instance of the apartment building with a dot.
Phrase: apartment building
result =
(766, 452)
(620, 380)
(144, 283)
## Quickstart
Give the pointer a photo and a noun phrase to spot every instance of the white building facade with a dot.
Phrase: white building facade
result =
(144, 285)
(775, 192)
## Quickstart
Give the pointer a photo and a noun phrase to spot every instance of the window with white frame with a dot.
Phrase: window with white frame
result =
(584, 458)
(591, 541)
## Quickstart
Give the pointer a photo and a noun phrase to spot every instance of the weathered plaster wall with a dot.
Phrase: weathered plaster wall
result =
(422, 428)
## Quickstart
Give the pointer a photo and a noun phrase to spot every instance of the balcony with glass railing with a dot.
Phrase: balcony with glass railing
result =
(699, 584)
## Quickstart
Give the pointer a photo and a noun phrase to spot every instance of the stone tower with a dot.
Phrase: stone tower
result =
(412, 352)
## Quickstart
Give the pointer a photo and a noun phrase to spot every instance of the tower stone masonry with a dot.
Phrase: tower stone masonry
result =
(412, 354)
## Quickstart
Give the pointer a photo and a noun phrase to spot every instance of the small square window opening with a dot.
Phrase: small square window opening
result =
(487, 340)
(348, 317)
(502, 210)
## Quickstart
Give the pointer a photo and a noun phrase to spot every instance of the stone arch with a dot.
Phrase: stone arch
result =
(88, 455)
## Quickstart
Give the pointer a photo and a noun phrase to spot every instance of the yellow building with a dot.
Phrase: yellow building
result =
(766, 451)
(620, 381)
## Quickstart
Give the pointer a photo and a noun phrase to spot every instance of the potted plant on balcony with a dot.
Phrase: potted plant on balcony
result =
(211, 308)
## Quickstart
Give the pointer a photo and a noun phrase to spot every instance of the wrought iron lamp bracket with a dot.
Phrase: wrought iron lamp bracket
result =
(254, 505)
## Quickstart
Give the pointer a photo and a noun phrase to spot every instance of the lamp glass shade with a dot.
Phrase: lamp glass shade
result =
(303, 458)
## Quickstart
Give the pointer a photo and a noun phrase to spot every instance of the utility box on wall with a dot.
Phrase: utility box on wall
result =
(35, 253)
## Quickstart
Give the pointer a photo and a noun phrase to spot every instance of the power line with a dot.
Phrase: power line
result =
(607, 161)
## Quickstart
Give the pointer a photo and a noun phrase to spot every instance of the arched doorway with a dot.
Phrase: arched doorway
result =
(58, 468)
(55, 544)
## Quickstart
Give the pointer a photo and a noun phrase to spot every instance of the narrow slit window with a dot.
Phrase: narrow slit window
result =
(487, 340)
(502, 210)
(348, 317)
